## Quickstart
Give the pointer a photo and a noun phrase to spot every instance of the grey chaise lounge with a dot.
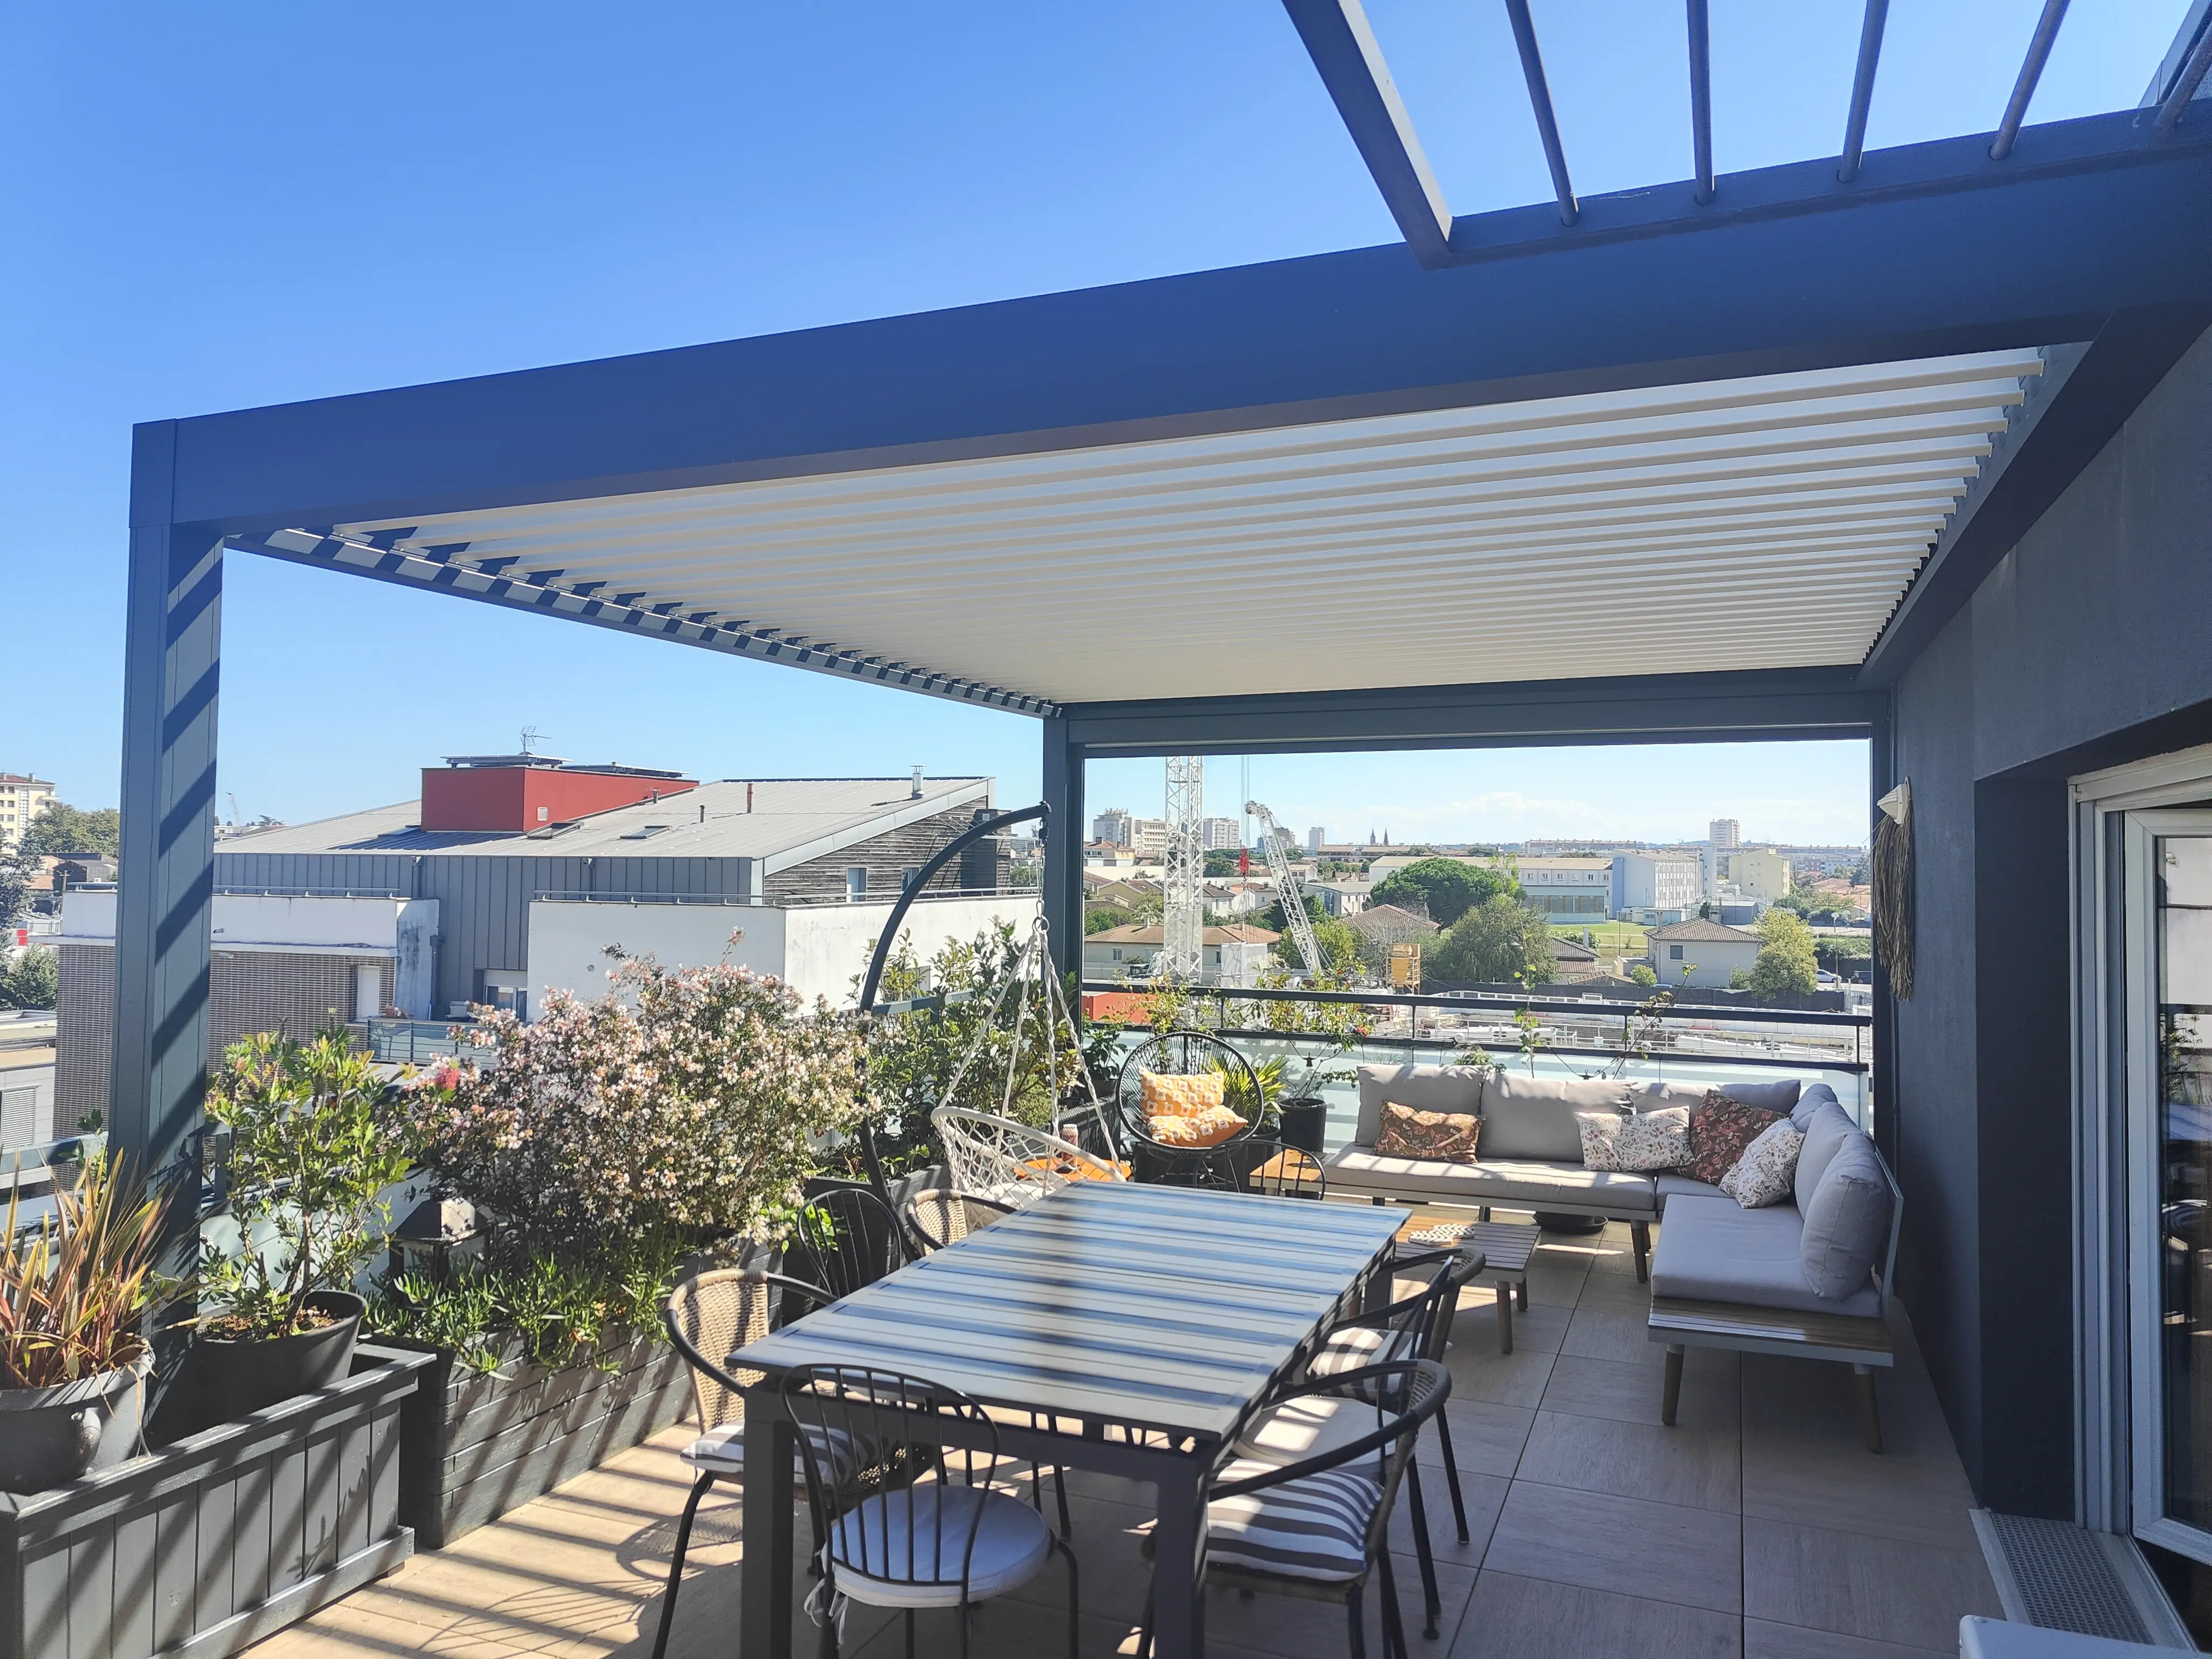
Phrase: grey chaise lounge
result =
(1810, 1278)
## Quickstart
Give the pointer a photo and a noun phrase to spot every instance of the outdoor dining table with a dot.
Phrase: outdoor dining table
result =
(1107, 1305)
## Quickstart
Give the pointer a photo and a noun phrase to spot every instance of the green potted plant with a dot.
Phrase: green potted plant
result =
(74, 1293)
(314, 1144)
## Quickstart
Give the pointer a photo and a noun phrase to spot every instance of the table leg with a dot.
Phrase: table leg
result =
(1178, 1604)
(1505, 1316)
(764, 1609)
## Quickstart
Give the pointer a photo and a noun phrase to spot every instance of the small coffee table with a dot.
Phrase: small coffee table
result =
(1506, 1247)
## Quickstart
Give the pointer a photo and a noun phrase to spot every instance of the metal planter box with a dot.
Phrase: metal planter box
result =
(216, 1541)
(475, 1446)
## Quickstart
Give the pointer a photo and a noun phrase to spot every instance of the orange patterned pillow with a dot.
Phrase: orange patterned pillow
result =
(1168, 1094)
(1207, 1127)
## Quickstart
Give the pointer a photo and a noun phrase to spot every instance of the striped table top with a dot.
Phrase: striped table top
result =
(1162, 1307)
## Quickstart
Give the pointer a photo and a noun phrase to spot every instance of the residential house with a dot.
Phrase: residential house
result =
(1232, 954)
(1705, 954)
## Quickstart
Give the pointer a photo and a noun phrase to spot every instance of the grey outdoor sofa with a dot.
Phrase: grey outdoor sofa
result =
(1531, 1155)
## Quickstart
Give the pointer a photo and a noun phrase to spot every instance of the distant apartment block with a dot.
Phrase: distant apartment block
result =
(1757, 872)
(1724, 833)
(1655, 887)
(22, 799)
(1567, 889)
(1317, 838)
(1220, 835)
(1808, 862)
(1112, 827)
(1148, 838)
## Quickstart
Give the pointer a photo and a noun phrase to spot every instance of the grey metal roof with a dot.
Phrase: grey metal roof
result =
(791, 820)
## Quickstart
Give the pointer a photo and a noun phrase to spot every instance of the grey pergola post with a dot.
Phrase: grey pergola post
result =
(1063, 846)
(171, 660)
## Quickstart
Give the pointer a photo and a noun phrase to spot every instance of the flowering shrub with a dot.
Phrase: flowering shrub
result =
(683, 1105)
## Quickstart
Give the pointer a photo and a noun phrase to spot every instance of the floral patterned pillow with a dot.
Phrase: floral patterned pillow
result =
(1767, 1173)
(1718, 1135)
(1450, 1137)
(1634, 1141)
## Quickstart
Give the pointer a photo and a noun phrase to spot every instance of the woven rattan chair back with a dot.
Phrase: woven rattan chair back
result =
(713, 1315)
(939, 1216)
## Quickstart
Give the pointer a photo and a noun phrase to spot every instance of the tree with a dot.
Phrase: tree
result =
(1497, 940)
(1786, 964)
(1446, 888)
(1339, 945)
(1219, 863)
(1100, 917)
(15, 895)
(33, 980)
(1642, 974)
(64, 828)
(1820, 904)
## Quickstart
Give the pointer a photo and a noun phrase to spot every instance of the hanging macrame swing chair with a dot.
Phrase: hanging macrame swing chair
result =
(994, 1155)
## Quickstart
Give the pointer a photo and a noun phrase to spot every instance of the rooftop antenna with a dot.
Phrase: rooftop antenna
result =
(234, 808)
(529, 735)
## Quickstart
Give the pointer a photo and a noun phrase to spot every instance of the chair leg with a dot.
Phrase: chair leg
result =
(1670, 1396)
(1639, 1239)
(1431, 1605)
(910, 1633)
(1145, 1627)
(1074, 1622)
(1059, 1488)
(675, 1566)
(1353, 1600)
(1869, 1407)
(1504, 1320)
(1521, 1292)
(1393, 1623)
(1451, 1475)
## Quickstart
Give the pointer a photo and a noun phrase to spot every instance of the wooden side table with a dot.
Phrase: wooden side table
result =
(1506, 1247)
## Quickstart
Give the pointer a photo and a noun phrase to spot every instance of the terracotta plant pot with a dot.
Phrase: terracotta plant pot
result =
(51, 1436)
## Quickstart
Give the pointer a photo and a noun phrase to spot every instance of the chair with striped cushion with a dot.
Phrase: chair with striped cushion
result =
(1415, 1326)
(707, 1317)
(1316, 1525)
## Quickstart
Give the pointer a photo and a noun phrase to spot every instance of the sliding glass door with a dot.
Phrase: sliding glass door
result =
(2168, 857)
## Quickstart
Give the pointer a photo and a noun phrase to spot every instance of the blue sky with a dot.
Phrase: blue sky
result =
(228, 204)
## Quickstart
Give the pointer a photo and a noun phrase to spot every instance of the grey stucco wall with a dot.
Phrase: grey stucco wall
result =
(2089, 645)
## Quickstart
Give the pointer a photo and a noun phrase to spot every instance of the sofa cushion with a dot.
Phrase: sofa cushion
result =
(1767, 1097)
(1761, 1177)
(1809, 1101)
(1826, 1128)
(1531, 1117)
(1408, 1134)
(1424, 1088)
(1560, 1185)
(1671, 1185)
(1644, 1141)
(1712, 1251)
(1847, 1223)
(1720, 1133)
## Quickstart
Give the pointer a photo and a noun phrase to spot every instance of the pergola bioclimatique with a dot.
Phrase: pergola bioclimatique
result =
(1706, 461)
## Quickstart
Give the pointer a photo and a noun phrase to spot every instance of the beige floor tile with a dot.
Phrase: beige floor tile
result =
(1886, 1588)
(1503, 1379)
(1711, 1396)
(1855, 1490)
(1540, 1326)
(1558, 1283)
(1762, 1640)
(1622, 1291)
(1289, 1627)
(1001, 1630)
(1516, 1618)
(1484, 1495)
(1682, 1465)
(1609, 1543)
(1616, 1333)
(1486, 1438)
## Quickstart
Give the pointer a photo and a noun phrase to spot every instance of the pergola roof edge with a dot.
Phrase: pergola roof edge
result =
(2031, 260)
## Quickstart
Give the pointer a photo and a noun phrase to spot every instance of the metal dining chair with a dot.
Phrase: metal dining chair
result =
(1284, 1171)
(947, 1543)
(1188, 1053)
(940, 1216)
(1316, 1524)
(845, 1241)
(709, 1317)
(1415, 1326)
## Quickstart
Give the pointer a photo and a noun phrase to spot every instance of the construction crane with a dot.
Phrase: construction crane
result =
(1183, 919)
(1272, 837)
